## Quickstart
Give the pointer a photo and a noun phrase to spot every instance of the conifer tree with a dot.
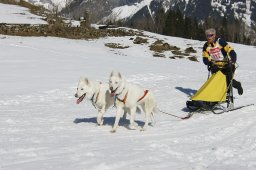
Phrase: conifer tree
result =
(169, 24)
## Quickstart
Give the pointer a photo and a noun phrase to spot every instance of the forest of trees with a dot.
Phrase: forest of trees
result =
(174, 23)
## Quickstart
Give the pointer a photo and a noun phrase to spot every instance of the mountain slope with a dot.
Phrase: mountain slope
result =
(239, 14)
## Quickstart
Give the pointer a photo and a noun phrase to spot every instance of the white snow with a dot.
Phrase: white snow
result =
(16, 14)
(247, 15)
(51, 4)
(127, 11)
(41, 127)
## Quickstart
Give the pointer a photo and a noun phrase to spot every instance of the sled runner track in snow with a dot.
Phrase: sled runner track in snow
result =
(214, 112)
(190, 114)
(232, 109)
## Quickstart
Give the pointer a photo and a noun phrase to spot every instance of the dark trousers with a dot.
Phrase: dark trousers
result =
(229, 71)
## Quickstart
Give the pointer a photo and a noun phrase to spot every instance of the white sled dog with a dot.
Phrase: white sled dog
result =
(98, 93)
(128, 97)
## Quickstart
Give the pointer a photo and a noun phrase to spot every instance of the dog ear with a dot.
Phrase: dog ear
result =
(82, 79)
(86, 80)
(119, 75)
(112, 73)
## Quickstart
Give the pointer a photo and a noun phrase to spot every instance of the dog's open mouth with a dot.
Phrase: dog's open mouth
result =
(113, 92)
(80, 99)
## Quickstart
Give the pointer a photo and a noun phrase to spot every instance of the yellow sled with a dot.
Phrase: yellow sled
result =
(211, 94)
(213, 90)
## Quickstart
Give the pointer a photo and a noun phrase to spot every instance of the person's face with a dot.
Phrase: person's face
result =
(210, 37)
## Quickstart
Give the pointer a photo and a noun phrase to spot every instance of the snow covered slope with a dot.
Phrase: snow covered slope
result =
(19, 15)
(41, 127)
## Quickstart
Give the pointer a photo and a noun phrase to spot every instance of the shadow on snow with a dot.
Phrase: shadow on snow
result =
(187, 91)
(107, 121)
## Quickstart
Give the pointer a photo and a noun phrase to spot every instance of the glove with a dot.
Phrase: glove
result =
(230, 67)
(209, 66)
(213, 67)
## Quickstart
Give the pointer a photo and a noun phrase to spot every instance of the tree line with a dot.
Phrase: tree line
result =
(174, 23)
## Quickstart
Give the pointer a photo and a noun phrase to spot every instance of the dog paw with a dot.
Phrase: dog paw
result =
(152, 124)
(143, 128)
(132, 126)
(100, 121)
(113, 131)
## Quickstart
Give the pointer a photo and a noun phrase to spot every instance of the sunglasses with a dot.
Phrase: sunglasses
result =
(209, 35)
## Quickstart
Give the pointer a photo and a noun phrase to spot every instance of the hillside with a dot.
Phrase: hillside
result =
(42, 127)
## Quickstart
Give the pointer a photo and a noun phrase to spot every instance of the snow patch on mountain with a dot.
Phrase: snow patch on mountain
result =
(127, 11)
(248, 13)
(241, 10)
(219, 7)
(50, 4)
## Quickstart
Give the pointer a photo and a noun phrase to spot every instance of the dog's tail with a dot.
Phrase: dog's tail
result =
(155, 110)
(150, 107)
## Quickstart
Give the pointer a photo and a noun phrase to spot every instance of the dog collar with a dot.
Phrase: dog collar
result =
(120, 92)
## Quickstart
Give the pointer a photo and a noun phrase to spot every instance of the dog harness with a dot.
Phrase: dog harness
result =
(121, 100)
(125, 97)
(145, 93)
(94, 103)
(97, 96)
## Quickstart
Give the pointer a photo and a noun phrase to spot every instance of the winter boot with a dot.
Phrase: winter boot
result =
(238, 86)
(240, 89)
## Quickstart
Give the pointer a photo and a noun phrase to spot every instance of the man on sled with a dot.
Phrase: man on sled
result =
(219, 55)
(220, 59)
